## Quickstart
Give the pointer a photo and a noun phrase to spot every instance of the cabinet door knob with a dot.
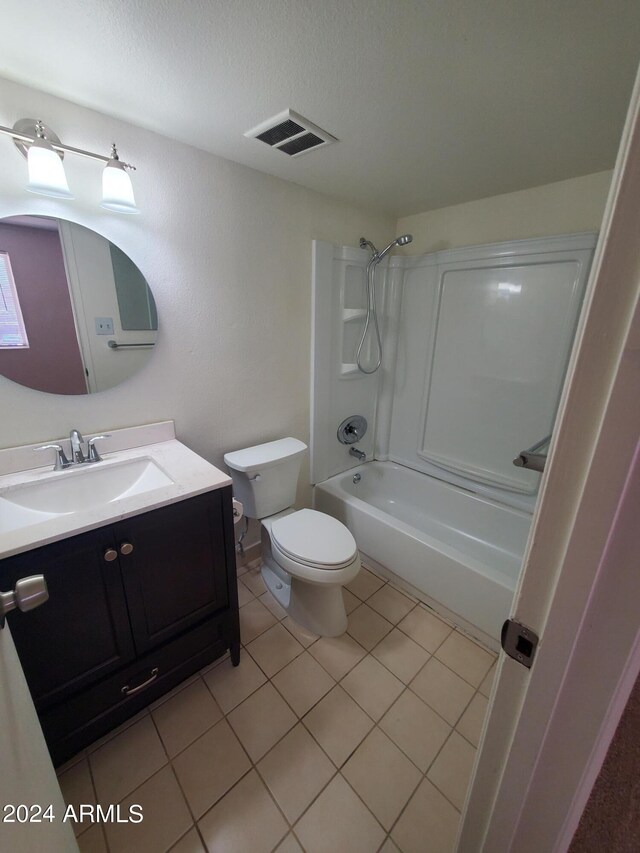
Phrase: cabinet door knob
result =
(126, 548)
(110, 555)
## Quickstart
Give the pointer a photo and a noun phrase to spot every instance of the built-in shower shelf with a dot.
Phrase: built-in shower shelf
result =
(351, 314)
(349, 369)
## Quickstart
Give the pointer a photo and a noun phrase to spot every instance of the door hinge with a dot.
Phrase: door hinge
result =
(519, 642)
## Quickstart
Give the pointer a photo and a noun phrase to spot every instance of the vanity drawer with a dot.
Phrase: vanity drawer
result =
(88, 715)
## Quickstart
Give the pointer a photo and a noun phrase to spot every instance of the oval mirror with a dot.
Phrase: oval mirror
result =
(76, 314)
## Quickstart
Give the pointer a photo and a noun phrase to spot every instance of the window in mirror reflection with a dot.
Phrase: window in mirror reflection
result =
(12, 331)
(77, 291)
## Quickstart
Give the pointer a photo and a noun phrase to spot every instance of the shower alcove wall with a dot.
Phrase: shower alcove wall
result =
(476, 345)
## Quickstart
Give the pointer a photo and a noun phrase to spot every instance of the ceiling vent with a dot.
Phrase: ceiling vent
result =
(291, 133)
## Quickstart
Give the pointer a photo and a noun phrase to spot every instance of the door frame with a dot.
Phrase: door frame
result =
(548, 729)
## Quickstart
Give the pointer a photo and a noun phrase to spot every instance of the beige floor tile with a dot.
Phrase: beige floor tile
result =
(367, 627)
(177, 689)
(295, 771)
(271, 604)
(211, 665)
(390, 603)
(210, 766)
(416, 729)
(465, 657)
(470, 724)
(118, 730)
(186, 716)
(289, 845)
(126, 761)
(75, 759)
(244, 594)
(246, 820)
(231, 685)
(350, 601)
(252, 579)
(389, 847)
(425, 628)
(364, 584)
(92, 840)
(337, 655)
(254, 620)
(303, 682)
(338, 724)
(401, 655)
(303, 635)
(261, 720)
(428, 816)
(77, 788)
(166, 817)
(451, 770)
(382, 776)
(443, 690)
(487, 682)
(274, 649)
(339, 821)
(373, 687)
(189, 843)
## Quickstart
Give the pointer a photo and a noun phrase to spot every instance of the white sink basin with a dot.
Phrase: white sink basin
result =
(78, 489)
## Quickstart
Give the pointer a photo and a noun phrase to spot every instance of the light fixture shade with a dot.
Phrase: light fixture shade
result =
(117, 190)
(46, 172)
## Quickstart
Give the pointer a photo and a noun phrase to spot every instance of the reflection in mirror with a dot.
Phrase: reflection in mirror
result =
(76, 314)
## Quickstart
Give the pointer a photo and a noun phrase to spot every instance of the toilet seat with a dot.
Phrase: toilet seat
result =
(329, 576)
(314, 539)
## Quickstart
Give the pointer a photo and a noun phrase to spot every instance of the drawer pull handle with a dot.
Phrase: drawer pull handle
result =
(126, 548)
(110, 555)
(131, 691)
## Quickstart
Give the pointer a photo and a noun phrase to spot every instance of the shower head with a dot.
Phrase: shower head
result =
(399, 241)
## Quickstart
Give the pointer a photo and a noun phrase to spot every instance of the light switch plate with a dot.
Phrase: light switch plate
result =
(104, 325)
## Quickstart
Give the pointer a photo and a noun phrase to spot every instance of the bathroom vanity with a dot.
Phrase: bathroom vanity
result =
(142, 587)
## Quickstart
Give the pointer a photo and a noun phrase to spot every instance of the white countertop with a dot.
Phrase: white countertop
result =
(191, 475)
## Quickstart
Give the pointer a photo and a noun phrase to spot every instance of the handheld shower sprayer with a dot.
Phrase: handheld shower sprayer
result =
(372, 311)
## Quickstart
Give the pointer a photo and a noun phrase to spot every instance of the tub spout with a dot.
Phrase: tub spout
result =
(359, 454)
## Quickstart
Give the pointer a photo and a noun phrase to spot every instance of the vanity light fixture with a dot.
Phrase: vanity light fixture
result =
(46, 172)
(45, 153)
(117, 190)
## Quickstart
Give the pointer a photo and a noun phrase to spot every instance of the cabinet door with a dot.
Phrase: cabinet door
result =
(82, 632)
(175, 570)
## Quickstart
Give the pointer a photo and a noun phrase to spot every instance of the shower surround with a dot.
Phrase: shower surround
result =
(476, 345)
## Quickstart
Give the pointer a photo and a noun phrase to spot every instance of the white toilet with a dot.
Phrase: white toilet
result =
(307, 556)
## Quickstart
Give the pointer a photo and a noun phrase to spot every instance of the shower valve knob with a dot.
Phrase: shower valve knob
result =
(352, 429)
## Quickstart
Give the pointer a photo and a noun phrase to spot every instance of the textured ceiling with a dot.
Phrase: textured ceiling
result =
(434, 101)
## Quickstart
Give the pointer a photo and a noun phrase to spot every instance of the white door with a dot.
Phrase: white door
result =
(27, 777)
(548, 728)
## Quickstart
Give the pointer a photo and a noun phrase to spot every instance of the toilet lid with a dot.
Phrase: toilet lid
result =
(314, 538)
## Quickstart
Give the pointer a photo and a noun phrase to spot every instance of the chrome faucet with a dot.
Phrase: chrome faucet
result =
(76, 439)
(359, 454)
(77, 454)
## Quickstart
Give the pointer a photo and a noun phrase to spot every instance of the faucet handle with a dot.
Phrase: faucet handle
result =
(93, 455)
(61, 460)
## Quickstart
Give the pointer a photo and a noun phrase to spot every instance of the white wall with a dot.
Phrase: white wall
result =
(565, 207)
(227, 253)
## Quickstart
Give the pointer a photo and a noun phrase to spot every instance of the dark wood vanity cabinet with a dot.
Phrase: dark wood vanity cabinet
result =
(134, 608)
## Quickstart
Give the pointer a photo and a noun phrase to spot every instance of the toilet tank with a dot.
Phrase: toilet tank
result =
(265, 476)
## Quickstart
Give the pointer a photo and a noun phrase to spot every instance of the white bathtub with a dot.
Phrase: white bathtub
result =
(460, 552)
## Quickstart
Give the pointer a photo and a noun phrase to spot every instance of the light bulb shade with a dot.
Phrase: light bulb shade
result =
(117, 190)
(46, 172)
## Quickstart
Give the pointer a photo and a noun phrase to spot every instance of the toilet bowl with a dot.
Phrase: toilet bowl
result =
(307, 556)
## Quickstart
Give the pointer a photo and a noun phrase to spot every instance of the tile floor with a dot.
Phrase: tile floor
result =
(357, 744)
